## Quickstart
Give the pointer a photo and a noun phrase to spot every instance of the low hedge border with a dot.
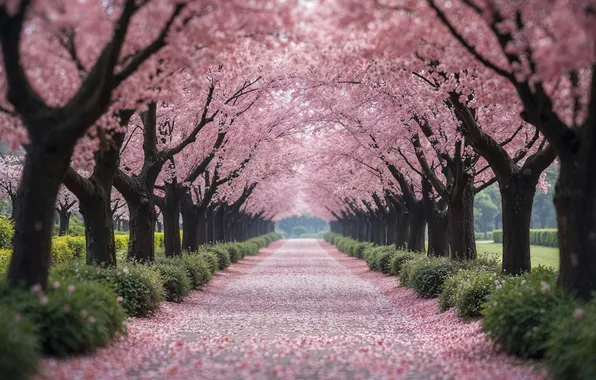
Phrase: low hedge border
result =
(544, 237)
(85, 307)
(527, 315)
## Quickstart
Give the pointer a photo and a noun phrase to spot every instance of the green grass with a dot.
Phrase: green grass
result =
(546, 256)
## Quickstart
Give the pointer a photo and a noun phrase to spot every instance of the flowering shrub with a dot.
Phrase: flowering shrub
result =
(19, 350)
(69, 318)
(518, 315)
(139, 287)
(573, 343)
(5, 255)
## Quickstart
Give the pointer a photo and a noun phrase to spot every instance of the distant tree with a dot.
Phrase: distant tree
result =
(485, 211)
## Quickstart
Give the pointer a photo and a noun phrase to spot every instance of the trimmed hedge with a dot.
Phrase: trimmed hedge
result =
(544, 237)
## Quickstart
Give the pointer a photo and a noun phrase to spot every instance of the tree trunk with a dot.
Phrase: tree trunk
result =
(575, 202)
(203, 227)
(219, 225)
(171, 220)
(99, 230)
(141, 246)
(63, 214)
(517, 196)
(160, 228)
(42, 175)
(190, 224)
(461, 221)
(403, 230)
(417, 225)
(210, 225)
(392, 227)
(436, 216)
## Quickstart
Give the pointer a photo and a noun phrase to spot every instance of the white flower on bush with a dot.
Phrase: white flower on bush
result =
(43, 300)
(91, 319)
(56, 284)
(71, 288)
(125, 270)
(544, 287)
(36, 289)
(119, 298)
(84, 313)
(578, 313)
(523, 282)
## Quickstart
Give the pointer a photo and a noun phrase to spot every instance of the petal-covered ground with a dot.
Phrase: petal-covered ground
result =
(300, 310)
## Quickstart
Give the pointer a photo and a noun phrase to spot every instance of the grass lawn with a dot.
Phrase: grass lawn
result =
(546, 256)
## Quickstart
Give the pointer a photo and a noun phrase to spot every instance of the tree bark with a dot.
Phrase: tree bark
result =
(171, 219)
(517, 196)
(99, 230)
(219, 229)
(461, 220)
(436, 216)
(403, 229)
(141, 246)
(63, 229)
(42, 175)
(575, 202)
(417, 225)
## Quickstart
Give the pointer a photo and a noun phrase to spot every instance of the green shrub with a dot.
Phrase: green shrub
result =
(572, 344)
(398, 259)
(196, 269)
(6, 232)
(449, 292)
(19, 347)
(250, 248)
(210, 258)
(378, 258)
(260, 241)
(223, 257)
(329, 237)
(233, 250)
(71, 318)
(176, 281)
(140, 286)
(426, 276)
(518, 314)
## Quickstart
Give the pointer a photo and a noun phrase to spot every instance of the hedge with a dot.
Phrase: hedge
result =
(543, 237)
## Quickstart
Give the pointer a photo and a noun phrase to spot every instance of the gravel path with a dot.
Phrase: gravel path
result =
(300, 310)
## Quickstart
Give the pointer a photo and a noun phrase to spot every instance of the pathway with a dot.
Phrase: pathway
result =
(299, 310)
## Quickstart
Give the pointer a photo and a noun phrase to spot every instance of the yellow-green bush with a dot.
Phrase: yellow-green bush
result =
(6, 232)
(5, 255)
(61, 251)
(121, 241)
(158, 240)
